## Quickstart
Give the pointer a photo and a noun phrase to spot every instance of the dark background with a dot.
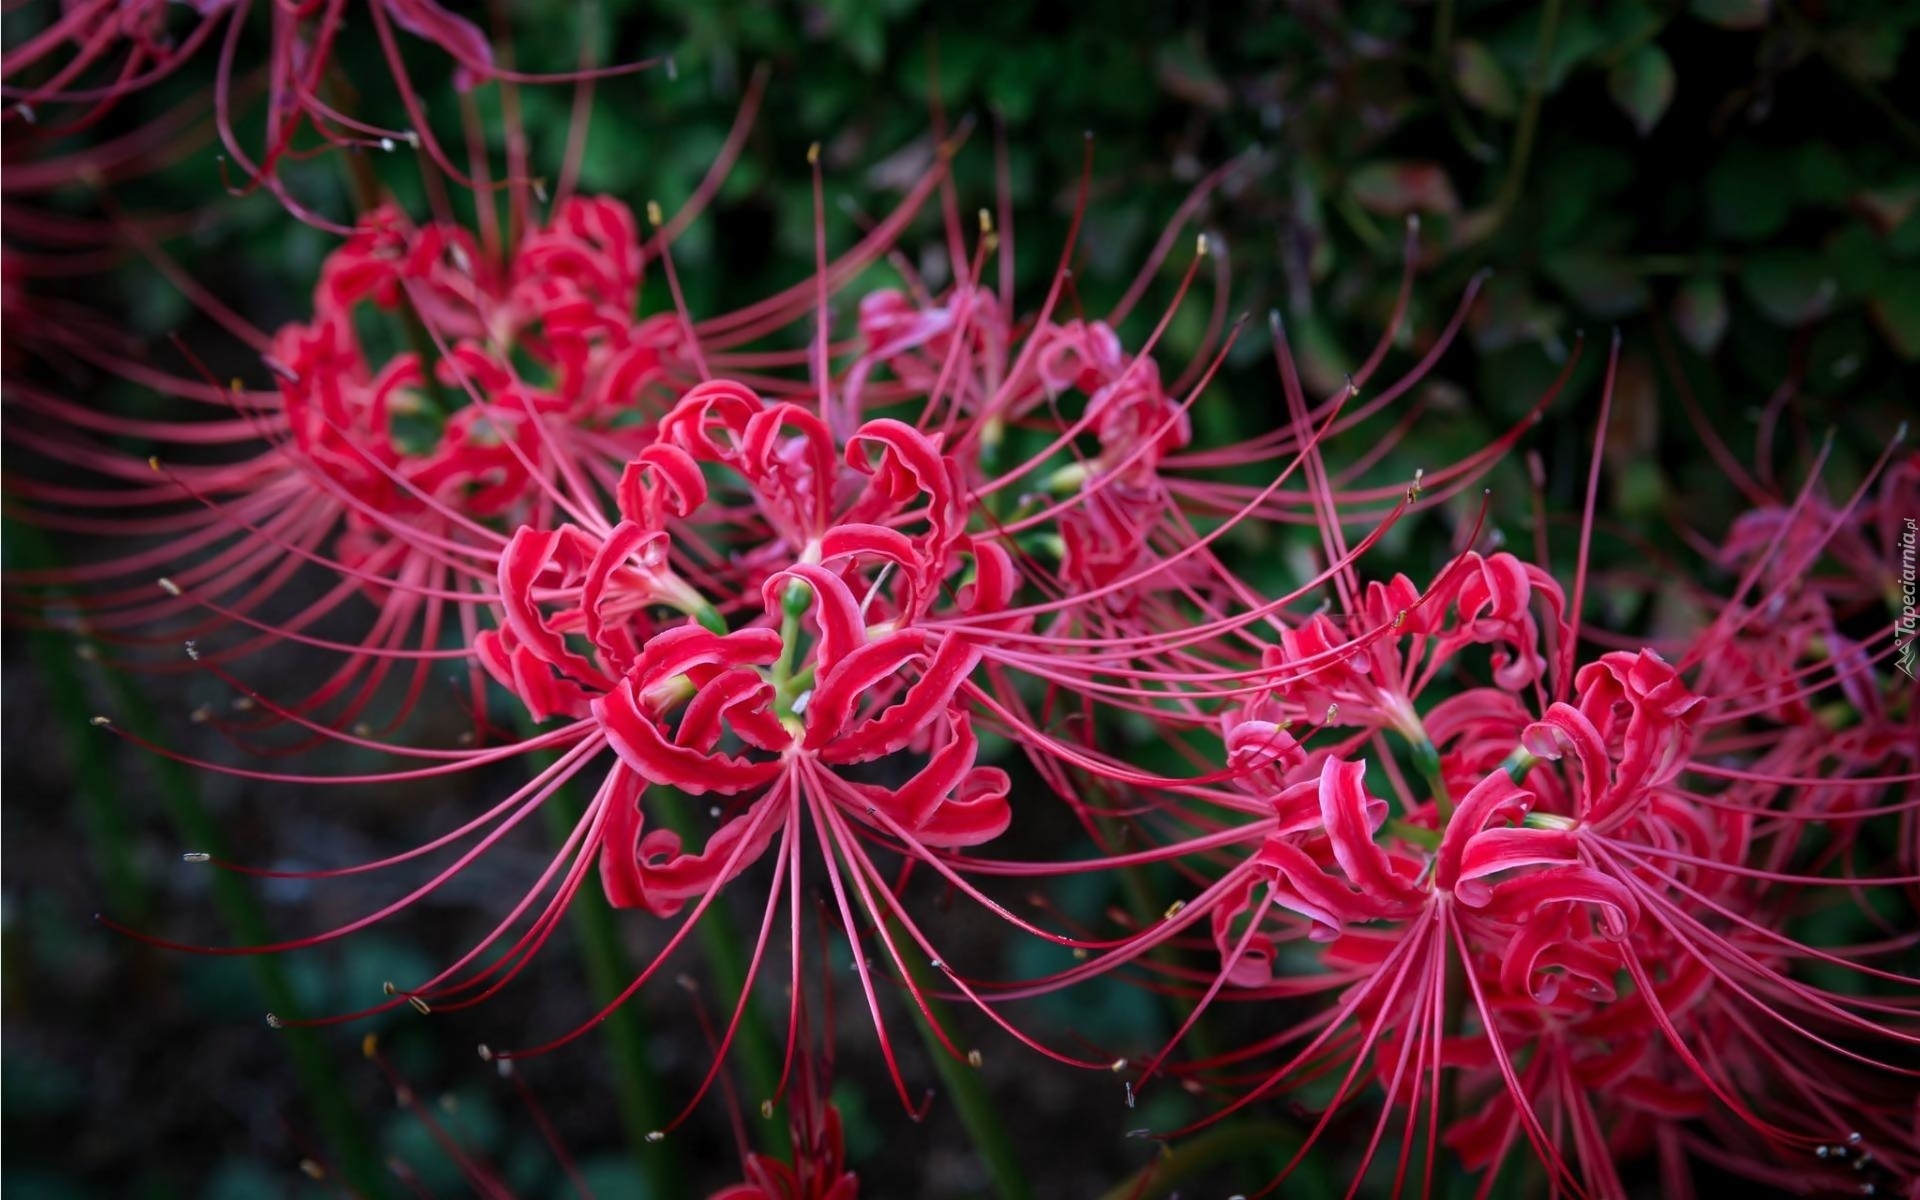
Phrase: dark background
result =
(1739, 177)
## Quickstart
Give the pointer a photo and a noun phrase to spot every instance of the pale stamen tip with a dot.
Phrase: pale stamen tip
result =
(196, 856)
(656, 1136)
(168, 586)
(100, 722)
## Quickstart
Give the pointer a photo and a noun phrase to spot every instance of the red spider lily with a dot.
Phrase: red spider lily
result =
(1565, 933)
(302, 80)
(361, 473)
(816, 1169)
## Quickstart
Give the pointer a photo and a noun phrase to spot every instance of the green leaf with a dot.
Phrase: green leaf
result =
(1481, 81)
(1791, 287)
(1733, 14)
(1642, 85)
(1598, 282)
(1895, 308)
(1700, 310)
(1747, 198)
(1396, 189)
(1871, 52)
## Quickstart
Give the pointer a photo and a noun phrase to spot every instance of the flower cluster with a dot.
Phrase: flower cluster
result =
(885, 598)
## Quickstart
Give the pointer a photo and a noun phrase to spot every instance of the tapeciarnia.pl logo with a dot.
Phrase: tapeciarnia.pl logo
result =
(1903, 629)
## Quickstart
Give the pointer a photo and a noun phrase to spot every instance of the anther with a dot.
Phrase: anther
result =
(1117, 1065)
(153, 462)
(274, 1022)
(1200, 246)
(1173, 910)
(673, 70)
(654, 216)
(312, 1170)
(656, 1136)
(386, 143)
(196, 856)
(986, 221)
(362, 730)
(486, 1052)
(1128, 1084)
(168, 586)
(687, 982)
(193, 650)
(766, 1109)
(974, 1059)
(99, 722)
(939, 965)
(388, 988)
(420, 1006)
(370, 1045)
(813, 154)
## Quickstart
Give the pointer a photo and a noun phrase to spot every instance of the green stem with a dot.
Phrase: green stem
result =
(721, 948)
(1219, 1145)
(1442, 67)
(1529, 124)
(313, 1064)
(1141, 905)
(637, 1089)
(962, 1079)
